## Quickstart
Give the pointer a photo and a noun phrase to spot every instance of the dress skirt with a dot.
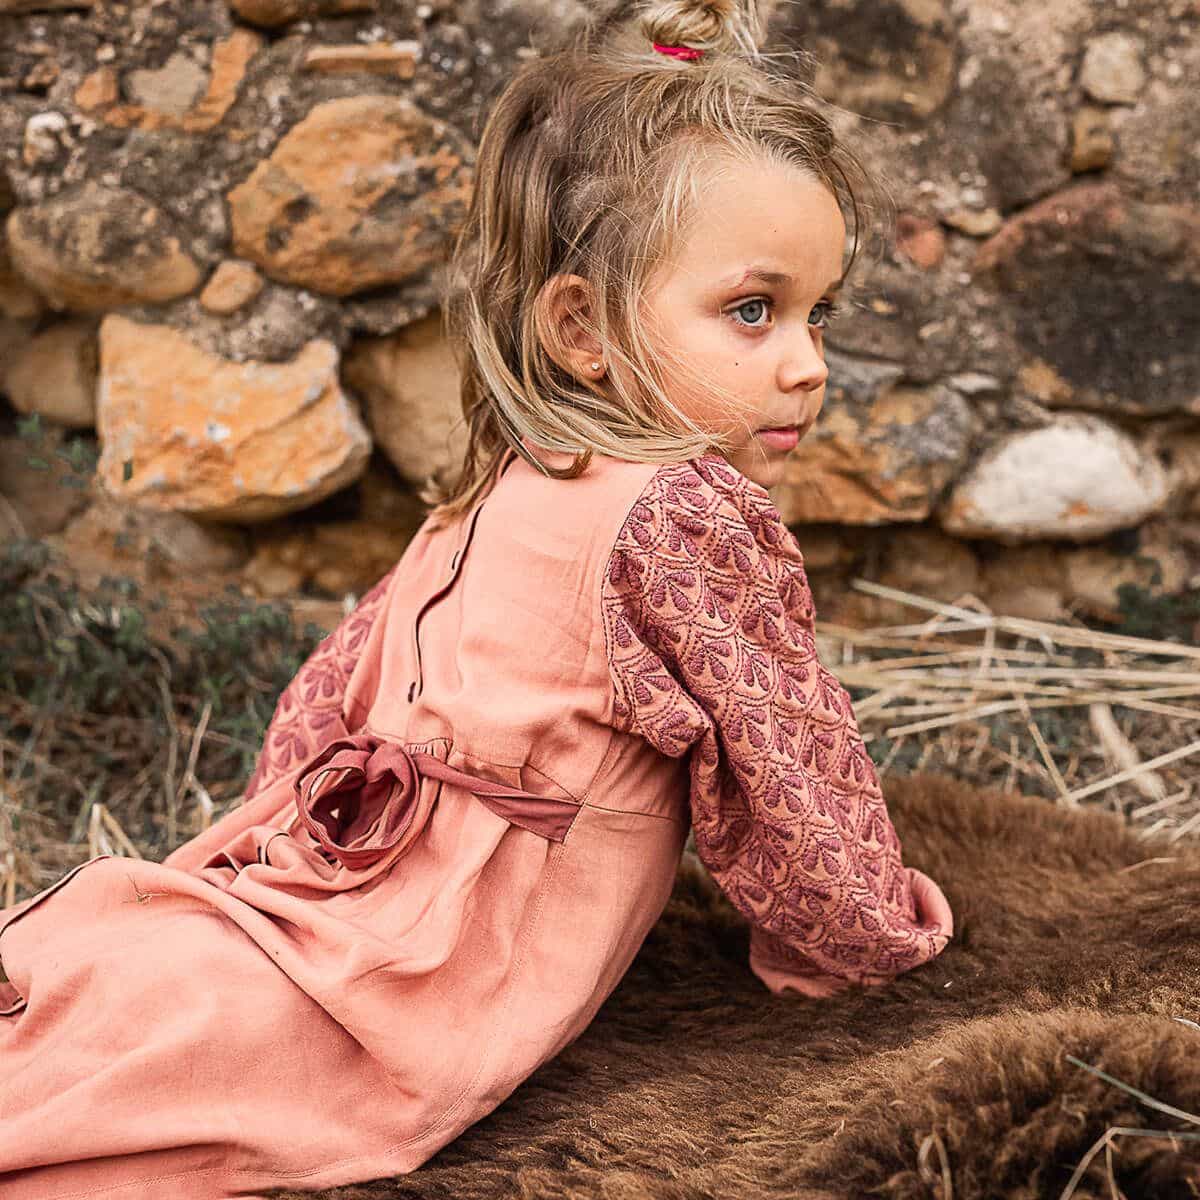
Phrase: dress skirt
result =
(325, 987)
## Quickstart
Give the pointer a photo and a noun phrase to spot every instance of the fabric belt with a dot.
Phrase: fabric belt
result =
(358, 798)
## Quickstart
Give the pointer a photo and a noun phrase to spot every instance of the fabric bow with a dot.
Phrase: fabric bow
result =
(358, 798)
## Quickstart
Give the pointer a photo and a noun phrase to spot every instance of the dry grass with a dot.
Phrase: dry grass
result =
(127, 723)
(1060, 710)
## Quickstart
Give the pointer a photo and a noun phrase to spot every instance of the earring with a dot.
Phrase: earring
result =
(595, 366)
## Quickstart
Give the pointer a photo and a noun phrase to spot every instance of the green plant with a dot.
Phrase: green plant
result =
(98, 700)
(1164, 618)
(80, 454)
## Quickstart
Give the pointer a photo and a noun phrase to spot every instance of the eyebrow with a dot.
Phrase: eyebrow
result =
(779, 278)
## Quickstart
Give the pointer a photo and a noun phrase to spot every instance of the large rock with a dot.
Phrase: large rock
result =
(1078, 477)
(98, 248)
(409, 384)
(54, 374)
(893, 61)
(14, 335)
(184, 430)
(923, 560)
(1028, 580)
(1044, 582)
(365, 191)
(1104, 292)
(159, 553)
(878, 453)
(109, 536)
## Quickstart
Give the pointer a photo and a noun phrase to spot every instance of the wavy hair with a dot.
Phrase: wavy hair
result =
(592, 162)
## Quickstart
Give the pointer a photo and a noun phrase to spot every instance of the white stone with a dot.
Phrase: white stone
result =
(1112, 69)
(1078, 477)
(44, 135)
(172, 89)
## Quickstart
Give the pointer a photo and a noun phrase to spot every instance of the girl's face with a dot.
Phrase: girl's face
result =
(744, 304)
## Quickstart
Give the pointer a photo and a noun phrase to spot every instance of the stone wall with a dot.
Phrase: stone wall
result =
(225, 222)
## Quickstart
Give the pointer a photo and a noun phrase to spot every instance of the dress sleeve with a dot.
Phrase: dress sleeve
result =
(709, 621)
(309, 711)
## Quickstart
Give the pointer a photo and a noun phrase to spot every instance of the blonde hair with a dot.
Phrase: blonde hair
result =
(591, 163)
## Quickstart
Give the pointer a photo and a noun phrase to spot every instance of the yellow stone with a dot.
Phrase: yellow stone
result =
(365, 191)
(184, 430)
(409, 385)
(54, 374)
(232, 286)
(1041, 381)
(1091, 140)
(100, 248)
(98, 90)
(382, 58)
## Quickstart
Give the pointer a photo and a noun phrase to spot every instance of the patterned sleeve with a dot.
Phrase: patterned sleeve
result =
(310, 709)
(710, 627)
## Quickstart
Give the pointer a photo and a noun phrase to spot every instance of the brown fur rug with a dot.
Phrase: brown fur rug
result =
(952, 1083)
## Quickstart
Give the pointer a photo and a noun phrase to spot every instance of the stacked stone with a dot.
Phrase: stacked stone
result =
(225, 227)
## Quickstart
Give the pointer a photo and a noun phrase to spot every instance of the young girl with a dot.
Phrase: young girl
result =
(472, 799)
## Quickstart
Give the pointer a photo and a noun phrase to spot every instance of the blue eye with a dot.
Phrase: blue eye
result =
(829, 309)
(760, 302)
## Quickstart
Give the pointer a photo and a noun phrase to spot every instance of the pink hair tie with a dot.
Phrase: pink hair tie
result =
(678, 51)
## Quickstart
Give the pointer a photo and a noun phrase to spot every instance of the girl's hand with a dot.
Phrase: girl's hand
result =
(933, 909)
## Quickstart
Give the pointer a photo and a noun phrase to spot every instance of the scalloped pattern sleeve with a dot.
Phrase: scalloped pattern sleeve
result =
(709, 622)
(309, 710)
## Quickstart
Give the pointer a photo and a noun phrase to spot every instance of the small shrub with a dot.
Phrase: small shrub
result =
(96, 705)
(1164, 618)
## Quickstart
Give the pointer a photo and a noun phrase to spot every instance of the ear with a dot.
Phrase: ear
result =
(563, 311)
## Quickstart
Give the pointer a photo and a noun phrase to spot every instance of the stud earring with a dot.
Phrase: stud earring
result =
(595, 366)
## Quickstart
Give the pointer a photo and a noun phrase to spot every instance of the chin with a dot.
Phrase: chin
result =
(765, 477)
(764, 469)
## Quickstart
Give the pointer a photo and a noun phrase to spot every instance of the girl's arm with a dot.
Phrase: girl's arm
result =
(709, 618)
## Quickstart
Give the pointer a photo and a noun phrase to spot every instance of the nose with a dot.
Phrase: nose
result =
(803, 366)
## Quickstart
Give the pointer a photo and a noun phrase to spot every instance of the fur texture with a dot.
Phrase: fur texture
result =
(951, 1083)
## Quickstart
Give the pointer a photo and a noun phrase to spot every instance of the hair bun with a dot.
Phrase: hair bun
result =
(700, 24)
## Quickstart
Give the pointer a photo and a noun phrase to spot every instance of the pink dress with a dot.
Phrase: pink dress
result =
(467, 815)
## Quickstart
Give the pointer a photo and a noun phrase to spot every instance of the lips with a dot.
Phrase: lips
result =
(779, 439)
(800, 427)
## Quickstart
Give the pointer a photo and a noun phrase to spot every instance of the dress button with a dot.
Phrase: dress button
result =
(412, 687)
